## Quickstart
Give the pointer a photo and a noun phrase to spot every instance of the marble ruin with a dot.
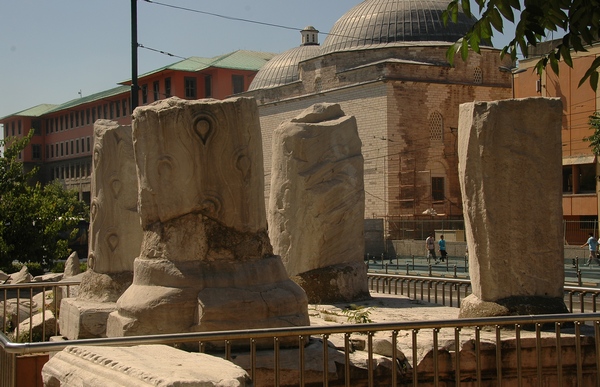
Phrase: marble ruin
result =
(510, 176)
(115, 234)
(316, 205)
(205, 257)
(145, 365)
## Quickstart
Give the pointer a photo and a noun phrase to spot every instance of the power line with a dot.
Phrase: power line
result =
(223, 16)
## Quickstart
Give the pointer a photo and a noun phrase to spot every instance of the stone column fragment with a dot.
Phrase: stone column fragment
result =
(115, 233)
(206, 262)
(510, 176)
(317, 202)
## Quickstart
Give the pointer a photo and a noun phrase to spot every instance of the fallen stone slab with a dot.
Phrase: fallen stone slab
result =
(144, 365)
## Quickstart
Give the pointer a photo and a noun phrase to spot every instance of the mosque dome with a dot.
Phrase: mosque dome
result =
(283, 68)
(379, 22)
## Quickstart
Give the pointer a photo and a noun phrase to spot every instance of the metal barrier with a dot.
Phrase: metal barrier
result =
(491, 364)
(447, 291)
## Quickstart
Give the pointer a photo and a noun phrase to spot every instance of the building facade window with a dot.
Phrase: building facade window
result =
(190, 87)
(124, 106)
(208, 86)
(436, 125)
(238, 83)
(156, 90)
(144, 94)
(37, 127)
(437, 188)
(167, 87)
(579, 179)
(36, 151)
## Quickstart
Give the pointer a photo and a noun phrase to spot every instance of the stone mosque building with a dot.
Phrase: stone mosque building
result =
(384, 62)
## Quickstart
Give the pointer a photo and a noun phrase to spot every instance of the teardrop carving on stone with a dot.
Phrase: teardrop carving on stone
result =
(112, 240)
(204, 126)
(243, 164)
(211, 206)
(94, 209)
(115, 186)
(91, 261)
(165, 168)
(97, 155)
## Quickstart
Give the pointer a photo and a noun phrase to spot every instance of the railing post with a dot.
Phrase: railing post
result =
(413, 261)
(455, 276)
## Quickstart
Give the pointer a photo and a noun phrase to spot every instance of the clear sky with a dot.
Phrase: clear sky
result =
(50, 50)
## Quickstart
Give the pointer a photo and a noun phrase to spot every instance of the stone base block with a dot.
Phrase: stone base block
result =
(84, 319)
(473, 307)
(337, 283)
(147, 365)
(208, 296)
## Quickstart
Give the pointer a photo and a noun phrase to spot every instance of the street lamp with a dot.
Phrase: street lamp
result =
(512, 71)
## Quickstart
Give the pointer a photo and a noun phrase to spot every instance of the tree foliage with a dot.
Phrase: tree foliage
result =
(580, 19)
(36, 222)
(594, 139)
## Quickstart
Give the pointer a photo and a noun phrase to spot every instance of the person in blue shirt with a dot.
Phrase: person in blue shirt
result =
(593, 245)
(442, 245)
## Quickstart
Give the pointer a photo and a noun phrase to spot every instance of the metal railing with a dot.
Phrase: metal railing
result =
(446, 291)
(450, 291)
(491, 364)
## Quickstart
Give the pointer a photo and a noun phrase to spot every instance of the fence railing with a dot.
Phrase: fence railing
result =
(450, 291)
(505, 357)
(513, 338)
(575, 231)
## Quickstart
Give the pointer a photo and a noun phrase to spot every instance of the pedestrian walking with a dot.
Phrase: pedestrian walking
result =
(442, 245)
(430, 246)
(592, 243)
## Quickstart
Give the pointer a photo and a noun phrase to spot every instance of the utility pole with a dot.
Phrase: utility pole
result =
(134, 59)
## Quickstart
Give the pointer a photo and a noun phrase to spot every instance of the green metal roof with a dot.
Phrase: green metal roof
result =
(91, 98)
(238, 60)
(35, 111)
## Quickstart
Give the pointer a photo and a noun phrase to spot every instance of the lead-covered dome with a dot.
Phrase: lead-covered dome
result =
(377, 22)
(283, 68)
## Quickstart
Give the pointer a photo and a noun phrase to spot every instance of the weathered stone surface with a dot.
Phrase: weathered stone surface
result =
(3, 276)
(20, 277)
(17, 312)
(316, 205)
(510, 175)
(115, 230)
(84, 319)
(37, 328)
(205, 256)
(49, 277)
(72, 267)
(335, 283)
(46, 299)
(148, 365)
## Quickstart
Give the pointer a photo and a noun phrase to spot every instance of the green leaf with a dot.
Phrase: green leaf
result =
(565, 52)
(552, 57)
(496, 19)
(506, 10)
(464, 50)
(594, 80)
(593, 69)
(466, 7)
(474, 42)
(450, 54)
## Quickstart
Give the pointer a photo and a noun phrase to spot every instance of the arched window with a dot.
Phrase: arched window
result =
(478, 75)
(436, 127)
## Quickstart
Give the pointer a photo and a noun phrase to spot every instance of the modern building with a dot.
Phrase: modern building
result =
(580, 165)
(62, 145)
(384, 62)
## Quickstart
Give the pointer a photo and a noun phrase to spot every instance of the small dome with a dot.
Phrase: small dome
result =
(283, 68)
(376, 22)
